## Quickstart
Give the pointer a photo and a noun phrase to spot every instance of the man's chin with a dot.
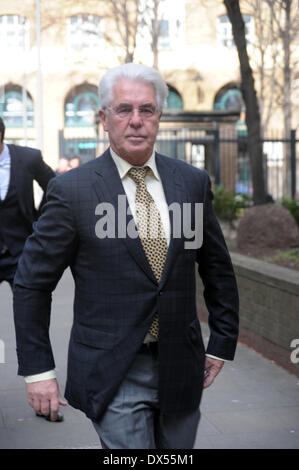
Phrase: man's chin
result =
(137, 155)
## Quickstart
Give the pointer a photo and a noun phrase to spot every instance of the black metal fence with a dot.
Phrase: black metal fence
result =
(281, 166)
(223, 154)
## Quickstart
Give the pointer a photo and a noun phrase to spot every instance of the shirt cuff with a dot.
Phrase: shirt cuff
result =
(218, 358)
(50, 374)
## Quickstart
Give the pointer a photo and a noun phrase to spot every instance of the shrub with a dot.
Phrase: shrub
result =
(292, 206)
(229, 206)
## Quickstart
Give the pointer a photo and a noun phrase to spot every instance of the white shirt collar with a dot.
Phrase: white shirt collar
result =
(4, 155)
(123, 166)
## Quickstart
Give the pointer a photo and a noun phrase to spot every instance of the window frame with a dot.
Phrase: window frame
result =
(16, 93)
(75, 102)
(76, 25)
(223, 25)
(20, 31)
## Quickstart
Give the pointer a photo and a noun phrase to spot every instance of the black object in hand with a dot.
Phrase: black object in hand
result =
(48, 417)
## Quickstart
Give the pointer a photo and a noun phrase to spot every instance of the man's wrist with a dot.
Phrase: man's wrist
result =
(50, 374)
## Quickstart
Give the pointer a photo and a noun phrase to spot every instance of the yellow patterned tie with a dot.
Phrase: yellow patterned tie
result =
(150, 230)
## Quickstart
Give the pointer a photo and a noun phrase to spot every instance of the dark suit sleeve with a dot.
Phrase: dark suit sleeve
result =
(220, 287)
(41, 173)
(47, 252)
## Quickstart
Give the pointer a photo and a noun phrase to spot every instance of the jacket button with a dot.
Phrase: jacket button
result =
(161, 292)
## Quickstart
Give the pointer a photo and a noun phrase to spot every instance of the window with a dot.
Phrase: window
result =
(84, 31)
(164, 40)
(174, 99)
(162, 21)
(13, 109)
(171, 19)
(14, 32)
(225, 34)
(81, 104)
(230, 98)
(169, 33)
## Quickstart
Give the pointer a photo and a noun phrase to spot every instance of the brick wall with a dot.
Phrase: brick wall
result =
(269, 308)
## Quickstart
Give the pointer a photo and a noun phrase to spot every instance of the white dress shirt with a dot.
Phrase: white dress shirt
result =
(4, 172)
(155, 188)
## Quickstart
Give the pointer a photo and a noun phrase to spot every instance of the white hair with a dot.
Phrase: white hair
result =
(134, 72)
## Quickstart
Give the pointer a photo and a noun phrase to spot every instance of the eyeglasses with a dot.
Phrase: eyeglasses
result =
(126, 111)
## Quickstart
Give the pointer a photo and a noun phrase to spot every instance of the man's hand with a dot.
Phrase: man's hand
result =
(44, 397)
(212, 368)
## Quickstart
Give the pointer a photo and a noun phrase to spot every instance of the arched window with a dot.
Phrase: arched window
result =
(229, 97)
(81, 104)
(174, 99)
(16, 105)
(14, 32)
(84, 31)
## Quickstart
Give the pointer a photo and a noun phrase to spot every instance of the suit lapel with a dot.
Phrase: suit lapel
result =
(108, 187)
(175, 196)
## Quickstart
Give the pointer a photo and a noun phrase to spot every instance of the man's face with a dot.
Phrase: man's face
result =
(74, 163)
(63, 165)
(132, 137)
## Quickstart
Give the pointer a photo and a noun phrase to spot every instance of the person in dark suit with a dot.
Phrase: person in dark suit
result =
(19, 167)
(137, 364)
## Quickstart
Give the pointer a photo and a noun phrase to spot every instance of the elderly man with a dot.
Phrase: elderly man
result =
(19, 167)
(136, 364)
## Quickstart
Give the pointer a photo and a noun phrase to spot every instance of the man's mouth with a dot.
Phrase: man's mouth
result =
(136, 137)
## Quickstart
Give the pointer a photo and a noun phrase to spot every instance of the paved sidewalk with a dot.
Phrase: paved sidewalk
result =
(253, 404)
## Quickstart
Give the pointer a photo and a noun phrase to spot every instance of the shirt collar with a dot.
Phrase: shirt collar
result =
(123, 166)
(5, 154)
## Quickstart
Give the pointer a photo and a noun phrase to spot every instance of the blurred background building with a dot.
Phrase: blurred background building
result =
(54, 53)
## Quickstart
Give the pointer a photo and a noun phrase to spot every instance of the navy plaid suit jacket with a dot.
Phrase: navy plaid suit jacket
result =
(116, 293)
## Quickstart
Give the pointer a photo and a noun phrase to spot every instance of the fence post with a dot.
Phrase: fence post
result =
(61, 143)
(293, 163)
(216, 157)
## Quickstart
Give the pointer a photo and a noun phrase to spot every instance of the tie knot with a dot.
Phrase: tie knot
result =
(138, 174)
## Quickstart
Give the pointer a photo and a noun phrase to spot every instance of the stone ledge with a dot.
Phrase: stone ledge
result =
(267, 269)
(269, 307)
(264, 273)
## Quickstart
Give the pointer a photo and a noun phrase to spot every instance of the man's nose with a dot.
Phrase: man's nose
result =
(135, 119)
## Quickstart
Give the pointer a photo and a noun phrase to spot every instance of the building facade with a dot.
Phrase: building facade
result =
(50, 74)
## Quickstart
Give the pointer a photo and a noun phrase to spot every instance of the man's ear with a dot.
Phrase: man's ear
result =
(103, 119)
